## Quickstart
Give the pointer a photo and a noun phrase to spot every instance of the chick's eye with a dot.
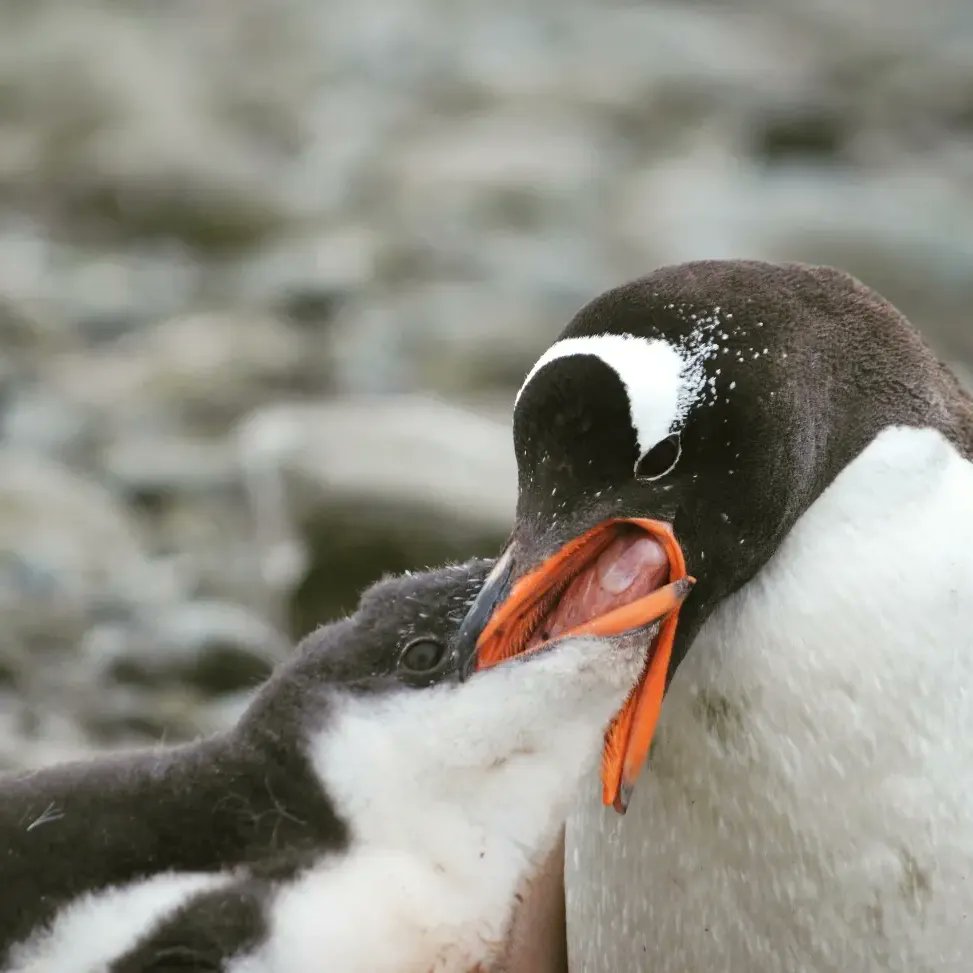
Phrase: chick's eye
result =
(422, 655)
(660, 459)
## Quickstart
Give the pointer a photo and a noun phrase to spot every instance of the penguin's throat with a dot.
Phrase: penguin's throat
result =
(632, 566)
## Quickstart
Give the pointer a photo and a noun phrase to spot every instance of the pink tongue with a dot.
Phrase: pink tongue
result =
(633, 565)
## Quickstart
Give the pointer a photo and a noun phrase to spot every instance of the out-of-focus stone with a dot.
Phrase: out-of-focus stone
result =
(32, 740)
(70, 558)
(38, 420)
(202, 369)
(210, 647)
(387, 453)
(354, 488)
(67, 545)
(134, 145)
(307, 278)
(165, 467)
(446, 337)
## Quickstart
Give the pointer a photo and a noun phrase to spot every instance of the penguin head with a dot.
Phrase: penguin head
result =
(401, 637)
(716, 400)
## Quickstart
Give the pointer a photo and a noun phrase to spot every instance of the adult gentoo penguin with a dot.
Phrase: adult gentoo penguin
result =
(375, 811)
(808, 804)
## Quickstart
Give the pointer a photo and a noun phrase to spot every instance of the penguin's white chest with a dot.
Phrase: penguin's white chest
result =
(809, 802)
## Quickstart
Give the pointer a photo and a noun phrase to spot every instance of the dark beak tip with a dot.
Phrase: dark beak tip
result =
(493, 592)
(467, 666)
(622, 798)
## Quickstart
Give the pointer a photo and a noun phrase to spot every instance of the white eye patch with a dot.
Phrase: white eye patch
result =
(661, 384)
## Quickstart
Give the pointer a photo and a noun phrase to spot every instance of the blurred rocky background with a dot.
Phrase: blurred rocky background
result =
(270, 271)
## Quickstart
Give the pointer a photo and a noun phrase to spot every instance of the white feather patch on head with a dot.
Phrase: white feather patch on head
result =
(661, 381)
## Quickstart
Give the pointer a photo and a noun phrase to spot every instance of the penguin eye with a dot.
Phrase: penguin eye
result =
(422, 655)
(660, 459)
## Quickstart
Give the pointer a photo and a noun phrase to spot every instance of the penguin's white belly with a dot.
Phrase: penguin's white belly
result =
(809, 802)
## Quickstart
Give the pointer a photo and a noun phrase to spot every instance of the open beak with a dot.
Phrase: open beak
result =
(507, 621)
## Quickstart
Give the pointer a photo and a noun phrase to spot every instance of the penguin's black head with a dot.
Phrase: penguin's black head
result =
(717, 398)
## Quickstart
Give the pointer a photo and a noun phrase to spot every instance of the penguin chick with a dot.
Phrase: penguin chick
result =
(376, 808)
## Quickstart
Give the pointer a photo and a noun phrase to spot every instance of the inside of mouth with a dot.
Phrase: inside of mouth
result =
(629, 566)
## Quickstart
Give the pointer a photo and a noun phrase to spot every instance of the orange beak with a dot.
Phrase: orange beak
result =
(511, 626)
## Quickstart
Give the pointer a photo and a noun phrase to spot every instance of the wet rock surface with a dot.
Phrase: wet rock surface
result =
(270, 274)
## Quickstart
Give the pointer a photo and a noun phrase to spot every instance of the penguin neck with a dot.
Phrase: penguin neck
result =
(850, 398)
(886, 377)
(851, 596)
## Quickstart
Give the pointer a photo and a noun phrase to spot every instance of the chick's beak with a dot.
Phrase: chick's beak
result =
(494, 591)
